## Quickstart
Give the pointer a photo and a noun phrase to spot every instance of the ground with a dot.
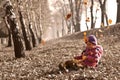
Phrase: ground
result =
(42, 62)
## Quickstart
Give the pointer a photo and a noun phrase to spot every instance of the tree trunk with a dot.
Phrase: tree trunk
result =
(103, 12)
(86, 18)
(63, 29)
(39, 28)
(77, 27)
(9, 40)
(27, 42)
(118, 11)
(40, 31)
(77, 17)
(91, 8)
(75, 11)
(9, 33)
(17, 39)
(72, 12)
(37, 32)
(34, 38)
(25, 35)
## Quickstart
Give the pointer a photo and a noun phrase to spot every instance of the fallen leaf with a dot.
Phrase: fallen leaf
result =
(110, 21)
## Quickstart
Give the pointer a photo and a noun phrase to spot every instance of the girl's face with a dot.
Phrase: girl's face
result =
(89, 45)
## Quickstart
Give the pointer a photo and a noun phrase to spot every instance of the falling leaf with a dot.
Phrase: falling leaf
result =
(88, 19)
(85, 38)
(85, 2)
(110, 21)
(43, 42)
(68, 16)
(84, 33)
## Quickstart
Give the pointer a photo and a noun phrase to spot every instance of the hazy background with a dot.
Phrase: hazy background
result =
(50, 33)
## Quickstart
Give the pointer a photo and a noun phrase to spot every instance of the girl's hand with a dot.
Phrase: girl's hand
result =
(77, 61)
(84, 57)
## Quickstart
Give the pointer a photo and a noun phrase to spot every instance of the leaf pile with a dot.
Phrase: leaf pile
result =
(42, 62)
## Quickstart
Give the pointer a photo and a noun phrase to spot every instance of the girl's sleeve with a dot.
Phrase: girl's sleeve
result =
(79, 57)
(97, 55)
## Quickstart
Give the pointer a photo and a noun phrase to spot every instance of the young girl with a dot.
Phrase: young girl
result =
(89, 57)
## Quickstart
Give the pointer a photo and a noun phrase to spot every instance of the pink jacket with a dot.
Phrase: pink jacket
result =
(92, 56)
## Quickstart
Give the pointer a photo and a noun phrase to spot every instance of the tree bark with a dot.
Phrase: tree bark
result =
(17, 38)
(86, 18)
(37, 31)
(9, 40)
(28, 45)
(118, 11)
(103, 12)
(34, 38)
(75, 11)
(91, 10)
(77, 17)
(25, 35)
(9, 33)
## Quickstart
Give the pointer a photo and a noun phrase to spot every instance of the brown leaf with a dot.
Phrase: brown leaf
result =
(68, 16)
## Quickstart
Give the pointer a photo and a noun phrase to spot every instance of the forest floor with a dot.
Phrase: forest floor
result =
(42, 62)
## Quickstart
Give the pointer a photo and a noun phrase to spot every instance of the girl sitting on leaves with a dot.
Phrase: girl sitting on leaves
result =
(89, 58)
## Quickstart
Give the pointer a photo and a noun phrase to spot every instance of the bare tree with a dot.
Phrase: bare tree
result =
(103, 10)
(63, 12)
(17, 38)
(9, 33)
(93, 16)
(34, 38)
(118, 11)
(38, 15)
(91, 8)
(23, 26)
(32, 24)
(75, 6)
(87, 18)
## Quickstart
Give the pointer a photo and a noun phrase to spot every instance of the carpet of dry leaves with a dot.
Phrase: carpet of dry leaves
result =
(42, 62)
